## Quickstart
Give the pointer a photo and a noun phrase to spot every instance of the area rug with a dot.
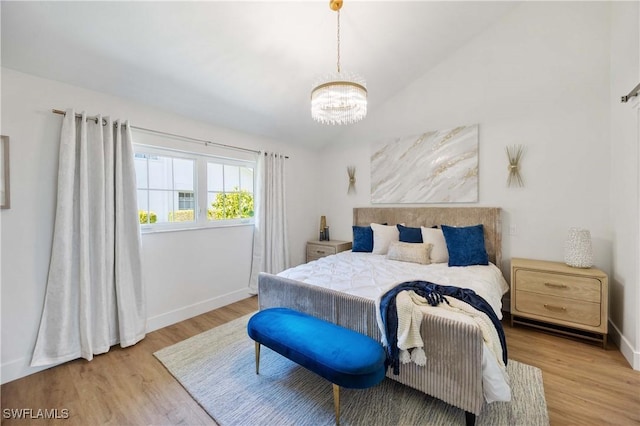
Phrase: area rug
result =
(217, 368)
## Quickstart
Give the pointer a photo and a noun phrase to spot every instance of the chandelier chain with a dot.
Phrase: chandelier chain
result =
(338, 41)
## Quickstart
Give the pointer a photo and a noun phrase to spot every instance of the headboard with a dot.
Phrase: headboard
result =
(489, 217)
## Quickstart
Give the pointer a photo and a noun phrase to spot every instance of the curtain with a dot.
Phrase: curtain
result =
(94, 297)
(270, 241)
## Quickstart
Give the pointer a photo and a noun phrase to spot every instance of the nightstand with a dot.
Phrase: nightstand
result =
(556, 297)
(318, 249)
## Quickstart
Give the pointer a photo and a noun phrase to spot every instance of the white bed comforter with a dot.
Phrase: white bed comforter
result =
(370, 276)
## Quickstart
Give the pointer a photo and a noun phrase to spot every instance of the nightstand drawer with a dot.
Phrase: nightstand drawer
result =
(318, 251)
(570, 310)
(570, 286)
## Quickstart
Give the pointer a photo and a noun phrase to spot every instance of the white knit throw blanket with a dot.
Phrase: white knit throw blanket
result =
(410, 308)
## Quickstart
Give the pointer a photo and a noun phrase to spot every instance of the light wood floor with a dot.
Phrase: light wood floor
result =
(584, 384)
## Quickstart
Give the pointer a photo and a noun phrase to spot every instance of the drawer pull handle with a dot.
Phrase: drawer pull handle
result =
(555, 308)
(319, 252)
(554, 285)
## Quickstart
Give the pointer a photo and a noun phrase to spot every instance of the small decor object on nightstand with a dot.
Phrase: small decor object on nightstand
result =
(578, 251)
(324, 229)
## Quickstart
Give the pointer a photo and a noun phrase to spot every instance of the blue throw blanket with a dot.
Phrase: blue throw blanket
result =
(434, 294)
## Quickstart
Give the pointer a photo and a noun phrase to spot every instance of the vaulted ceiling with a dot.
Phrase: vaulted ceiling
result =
(243, 65)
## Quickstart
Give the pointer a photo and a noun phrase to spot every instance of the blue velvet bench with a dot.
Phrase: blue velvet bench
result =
(344, 357)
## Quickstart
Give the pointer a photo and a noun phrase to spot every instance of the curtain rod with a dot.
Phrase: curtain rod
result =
(187, 138)
(634, 92)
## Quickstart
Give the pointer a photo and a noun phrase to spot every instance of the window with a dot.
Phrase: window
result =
(178, 190)
(161, 179)
(229, 191)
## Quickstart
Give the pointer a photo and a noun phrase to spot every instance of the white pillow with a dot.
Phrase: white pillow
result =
(439, 251)
(409, 252)
(383, 236)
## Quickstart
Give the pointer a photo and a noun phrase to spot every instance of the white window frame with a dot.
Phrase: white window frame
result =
(200, 189)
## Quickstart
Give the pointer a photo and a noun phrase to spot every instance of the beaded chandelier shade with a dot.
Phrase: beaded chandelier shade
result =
(339, 98)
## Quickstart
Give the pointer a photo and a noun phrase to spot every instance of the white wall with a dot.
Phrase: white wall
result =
(625, 183)
(540, 77)
(187, 272)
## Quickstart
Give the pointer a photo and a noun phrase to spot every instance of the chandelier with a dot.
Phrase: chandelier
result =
(339, 98)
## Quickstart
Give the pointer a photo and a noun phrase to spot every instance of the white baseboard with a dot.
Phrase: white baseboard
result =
(626, 348)
(169, 318)
(13, 370)
(18, 368)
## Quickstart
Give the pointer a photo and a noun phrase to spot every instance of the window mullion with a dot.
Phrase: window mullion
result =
(201, 190)
(148, 194)
(239, 189)
(224, 190)
(173, 191)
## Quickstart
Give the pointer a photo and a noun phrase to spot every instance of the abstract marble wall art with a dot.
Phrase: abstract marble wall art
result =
(434, 167)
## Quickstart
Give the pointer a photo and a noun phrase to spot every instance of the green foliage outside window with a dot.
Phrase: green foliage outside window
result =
(181, 216)
(231, 205)
(143, 215)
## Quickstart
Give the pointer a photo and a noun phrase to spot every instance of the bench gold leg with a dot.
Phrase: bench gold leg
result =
(336, 402)
(257, 358)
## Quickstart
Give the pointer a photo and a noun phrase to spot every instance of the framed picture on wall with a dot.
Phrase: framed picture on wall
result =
(5, 199)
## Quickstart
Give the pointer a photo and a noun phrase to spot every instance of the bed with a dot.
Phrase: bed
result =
(454, 348)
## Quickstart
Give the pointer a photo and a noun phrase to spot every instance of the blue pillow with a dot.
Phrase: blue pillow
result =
(410, 235)
(362, 239)
(465, 245)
